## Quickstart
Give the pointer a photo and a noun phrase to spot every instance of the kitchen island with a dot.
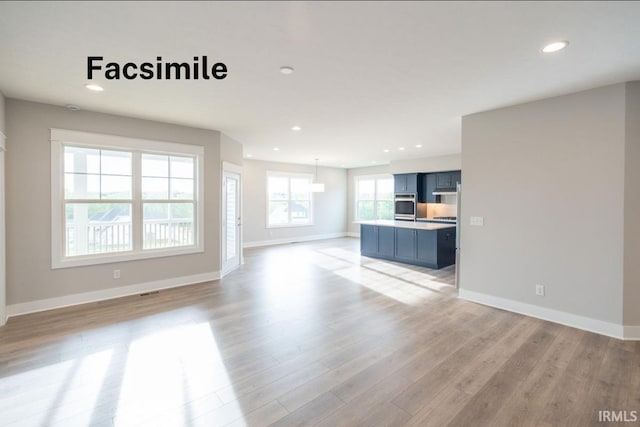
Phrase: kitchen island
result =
(425, 244)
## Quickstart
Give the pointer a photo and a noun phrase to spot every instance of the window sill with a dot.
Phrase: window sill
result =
(87, 260)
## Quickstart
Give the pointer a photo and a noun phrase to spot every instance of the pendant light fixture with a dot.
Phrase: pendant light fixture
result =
(317, 187)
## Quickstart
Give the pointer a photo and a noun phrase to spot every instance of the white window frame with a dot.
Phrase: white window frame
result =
(62, 137)
(289, 175)
(375, 177)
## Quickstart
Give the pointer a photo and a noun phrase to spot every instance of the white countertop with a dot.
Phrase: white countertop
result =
(409, 224)
(446, 221)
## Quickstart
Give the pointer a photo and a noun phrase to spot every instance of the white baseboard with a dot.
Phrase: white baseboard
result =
(285, 240)
(353, 234)
(85, 297)
(586, 323)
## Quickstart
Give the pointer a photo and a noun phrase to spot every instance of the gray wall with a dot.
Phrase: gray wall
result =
(230, 150)
(425, 164)
(329, 207)
(29, 273)
(548, 178)
(632, 208)
(3, 265)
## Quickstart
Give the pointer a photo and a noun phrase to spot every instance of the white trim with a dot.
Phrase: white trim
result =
(236, 170)
(556, 316)
(289, 175)
(59, 137)
(375, 178)
(3, 145)
(285, 240)
(109, 258)
(353, 234)
(128, 143)
(86, 297)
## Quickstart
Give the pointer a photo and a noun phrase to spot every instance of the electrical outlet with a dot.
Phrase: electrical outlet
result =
(478, 221)
(116, 274)
(540, 290)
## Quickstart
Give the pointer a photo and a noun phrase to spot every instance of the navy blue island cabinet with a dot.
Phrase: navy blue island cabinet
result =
(377, 240)
(432, 245)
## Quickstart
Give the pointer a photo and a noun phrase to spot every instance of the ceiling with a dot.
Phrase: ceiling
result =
(369, 76)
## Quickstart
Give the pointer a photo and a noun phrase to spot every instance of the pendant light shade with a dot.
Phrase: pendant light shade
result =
(317, 187)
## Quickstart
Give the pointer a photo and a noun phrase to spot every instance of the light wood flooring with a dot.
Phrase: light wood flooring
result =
(309, 334)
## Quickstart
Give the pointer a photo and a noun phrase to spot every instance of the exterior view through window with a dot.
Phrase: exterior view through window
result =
(289, 200)
(99, 200)
(116, 198)
(374, 197)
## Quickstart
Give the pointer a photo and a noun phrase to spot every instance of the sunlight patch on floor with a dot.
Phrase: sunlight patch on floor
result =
(82, 380)
(402, 284)
(171, 377)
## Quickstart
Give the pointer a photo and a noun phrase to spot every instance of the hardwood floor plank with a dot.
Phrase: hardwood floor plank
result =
(339, 340)
(312, 412)
(373, 408)
(484, 404)
(565, 405)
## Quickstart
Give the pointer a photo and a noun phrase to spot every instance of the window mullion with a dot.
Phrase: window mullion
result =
(136, 201)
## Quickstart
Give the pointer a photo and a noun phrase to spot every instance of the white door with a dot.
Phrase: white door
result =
(231, 221)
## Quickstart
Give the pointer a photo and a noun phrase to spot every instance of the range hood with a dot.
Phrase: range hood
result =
(444, 191)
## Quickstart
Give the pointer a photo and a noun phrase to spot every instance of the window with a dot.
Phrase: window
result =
(288, 199)
(118, 199)
(374, 197)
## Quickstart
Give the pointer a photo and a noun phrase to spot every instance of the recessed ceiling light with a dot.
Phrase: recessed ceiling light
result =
(286, 69)
(385, 150)
(94, 87)
(555, 46)
(296, 128)
(401, 148)
(249, 155)
(276, 149)
(419, 146)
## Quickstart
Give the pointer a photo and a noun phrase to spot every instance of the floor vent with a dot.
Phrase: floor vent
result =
(149, 293)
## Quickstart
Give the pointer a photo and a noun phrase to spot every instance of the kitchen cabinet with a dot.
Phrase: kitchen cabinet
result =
(405, 244)
(440, 180)
(448, 179)
(443, 180)
(368, 239)
(430, 186)
(376, 240)
(427, 247)
(407, 183)
(416, 246)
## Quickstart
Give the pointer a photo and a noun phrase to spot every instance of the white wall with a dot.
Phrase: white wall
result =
(632, 208)
(329, 208)
(548, 178)
(448, 162)
(3, 266)
(29, 274)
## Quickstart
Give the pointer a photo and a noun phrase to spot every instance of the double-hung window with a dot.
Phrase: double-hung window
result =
(118, 199)
(289, 201)
(374, 197)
